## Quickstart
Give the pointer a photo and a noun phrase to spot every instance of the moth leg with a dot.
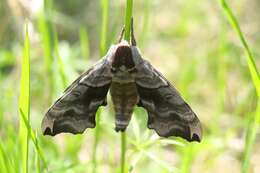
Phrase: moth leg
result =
(104, 102)
(133, 41)
(121, 35)
(139, 103)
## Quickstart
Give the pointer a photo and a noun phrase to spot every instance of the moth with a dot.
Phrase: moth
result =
(132, 81)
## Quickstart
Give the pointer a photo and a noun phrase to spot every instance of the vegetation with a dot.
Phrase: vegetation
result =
(208, 50)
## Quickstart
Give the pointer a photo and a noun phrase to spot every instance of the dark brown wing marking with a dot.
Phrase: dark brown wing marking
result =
(168, 113)
(75, 110)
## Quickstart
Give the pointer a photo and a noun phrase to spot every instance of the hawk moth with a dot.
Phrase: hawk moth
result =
(131, 81)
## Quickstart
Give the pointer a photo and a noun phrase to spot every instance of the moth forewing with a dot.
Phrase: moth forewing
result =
(76, 109)
(168, 113)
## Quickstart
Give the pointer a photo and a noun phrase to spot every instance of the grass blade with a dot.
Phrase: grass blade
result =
(24, 102)
(60, 62)
(84, 42)
(4, 161)
(104, 25)
(47, 36)
(96, 139)
(250, 140)
(252, 130)
(146, 18)
(123, 151)
(33, 137)
(103, 47)
(143, 149)
(128, 17)
(37, 159)
(250, 59)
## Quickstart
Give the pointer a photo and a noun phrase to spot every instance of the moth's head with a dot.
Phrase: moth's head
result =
(122, 59)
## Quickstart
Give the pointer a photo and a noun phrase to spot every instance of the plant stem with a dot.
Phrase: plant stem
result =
(128, 17)
(123, 150)
(96, 140)
(103, 37)
(253, 126)
(84, 42)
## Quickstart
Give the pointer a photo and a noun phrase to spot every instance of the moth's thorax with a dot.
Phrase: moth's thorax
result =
(123, 58)
(122, 77)
(122, 64)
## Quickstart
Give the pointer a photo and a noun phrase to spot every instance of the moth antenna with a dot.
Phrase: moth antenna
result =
(121, 34)
(133, 42)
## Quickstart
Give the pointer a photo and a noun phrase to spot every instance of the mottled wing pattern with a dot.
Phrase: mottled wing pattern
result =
(168, 113)
(75, 110)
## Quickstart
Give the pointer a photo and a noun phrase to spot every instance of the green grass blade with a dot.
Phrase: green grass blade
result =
(5, 165)
(84, 42)
(147, 7)
(24, 102)
(47, 36)
(104, 25)
(143, 149)
(38, 158)
(123, 151)
(252, 129)
(128, 17)
(250, 59)
(187, 159)
(50, 47)
(33, 137)
(96, 140)
(60, 62)
(250, 140)
(103, 47)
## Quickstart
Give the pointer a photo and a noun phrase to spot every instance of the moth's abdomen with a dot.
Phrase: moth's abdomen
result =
(124, 97)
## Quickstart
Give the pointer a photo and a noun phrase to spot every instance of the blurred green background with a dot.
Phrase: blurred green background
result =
(190, 42)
